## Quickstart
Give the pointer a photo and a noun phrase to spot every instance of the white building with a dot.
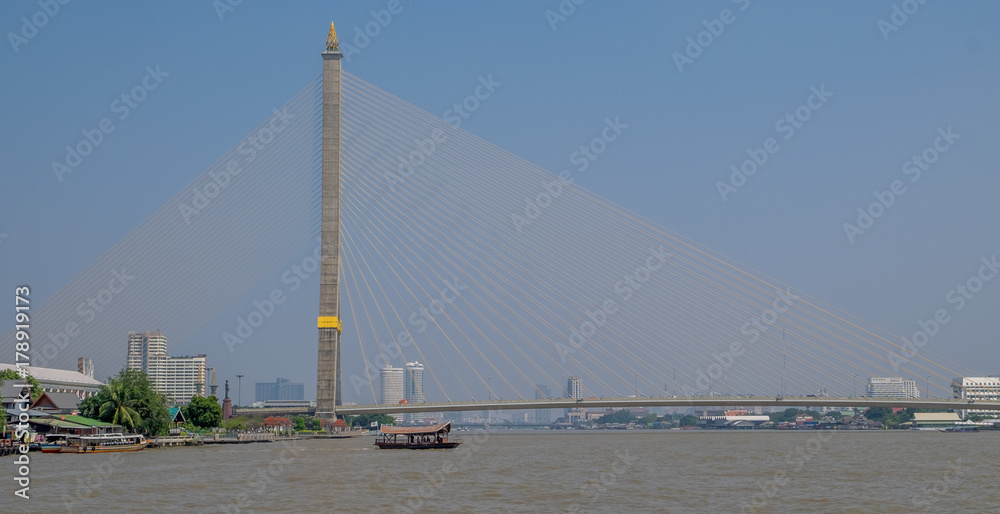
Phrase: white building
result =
(180, 378)
(144, 346)
(391, 391)
(574, 388)
(61, 380)
(413, 389)
(975, 389)
(892, 387)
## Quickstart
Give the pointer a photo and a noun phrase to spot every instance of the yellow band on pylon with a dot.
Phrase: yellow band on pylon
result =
(330, 322)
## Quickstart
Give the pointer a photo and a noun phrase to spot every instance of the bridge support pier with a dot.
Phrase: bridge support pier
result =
(328, 373)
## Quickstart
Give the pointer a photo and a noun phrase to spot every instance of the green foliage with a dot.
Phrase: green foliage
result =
(688, 420)
(317, 424)
(203, 412)
(12, 374)
(300, 423)
(885, 415)
(234, 424)
(129, 399)
(789, 415)
(365, 420)
(648, 419)
(118, 408)
(622, 417)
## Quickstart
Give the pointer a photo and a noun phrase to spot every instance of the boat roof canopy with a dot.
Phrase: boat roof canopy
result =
(432, 429)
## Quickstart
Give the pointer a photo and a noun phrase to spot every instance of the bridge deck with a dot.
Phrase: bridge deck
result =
(713, 401)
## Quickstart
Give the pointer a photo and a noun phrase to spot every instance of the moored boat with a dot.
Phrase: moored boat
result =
(101, 443)
(415, 438)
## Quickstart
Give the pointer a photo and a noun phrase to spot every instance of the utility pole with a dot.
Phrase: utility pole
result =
(239, 390)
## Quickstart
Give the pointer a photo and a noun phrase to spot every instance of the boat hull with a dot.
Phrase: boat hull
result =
(416, 446)
(102, 448)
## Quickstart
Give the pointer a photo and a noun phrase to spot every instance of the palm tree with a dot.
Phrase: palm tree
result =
(120, 404)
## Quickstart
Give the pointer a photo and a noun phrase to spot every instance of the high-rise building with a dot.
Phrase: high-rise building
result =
(892, 387)
(280, 389)
(414, 388)
(976, 388)
(85, 366)
(391, 388)
(179, 378)
(574, 388)
(144, 347)
(543, 392)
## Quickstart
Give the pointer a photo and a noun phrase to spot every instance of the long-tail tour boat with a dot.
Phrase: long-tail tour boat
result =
(415, 438)
(100, 443)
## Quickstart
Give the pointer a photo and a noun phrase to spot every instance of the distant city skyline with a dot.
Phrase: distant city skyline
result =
(688, 128)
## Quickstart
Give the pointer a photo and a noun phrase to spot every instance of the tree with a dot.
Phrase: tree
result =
(648, 419)
(688, 420)
(789, 415)
(13, 374)
(234, 424)
(135, 392)
(300, 423)
(119, 406)
(365, 420)
(203, 412)
(622, 417)
(317, 424)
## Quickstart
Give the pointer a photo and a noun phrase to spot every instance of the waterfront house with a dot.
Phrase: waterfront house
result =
(57, 403)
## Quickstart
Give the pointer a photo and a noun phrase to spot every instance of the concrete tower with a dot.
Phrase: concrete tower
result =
(414, 388)
(328, 371)
(392, 388)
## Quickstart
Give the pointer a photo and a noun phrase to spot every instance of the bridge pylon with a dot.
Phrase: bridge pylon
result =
(328, 369)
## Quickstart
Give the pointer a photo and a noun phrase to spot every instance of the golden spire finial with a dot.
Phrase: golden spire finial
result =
(332, 45)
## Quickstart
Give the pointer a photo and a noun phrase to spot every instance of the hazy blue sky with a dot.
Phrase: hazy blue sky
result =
(940, 69)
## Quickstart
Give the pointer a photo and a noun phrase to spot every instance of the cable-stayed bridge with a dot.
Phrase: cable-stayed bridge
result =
(503, 279)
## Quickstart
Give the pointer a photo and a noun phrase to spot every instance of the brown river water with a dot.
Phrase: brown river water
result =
(538, 471)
